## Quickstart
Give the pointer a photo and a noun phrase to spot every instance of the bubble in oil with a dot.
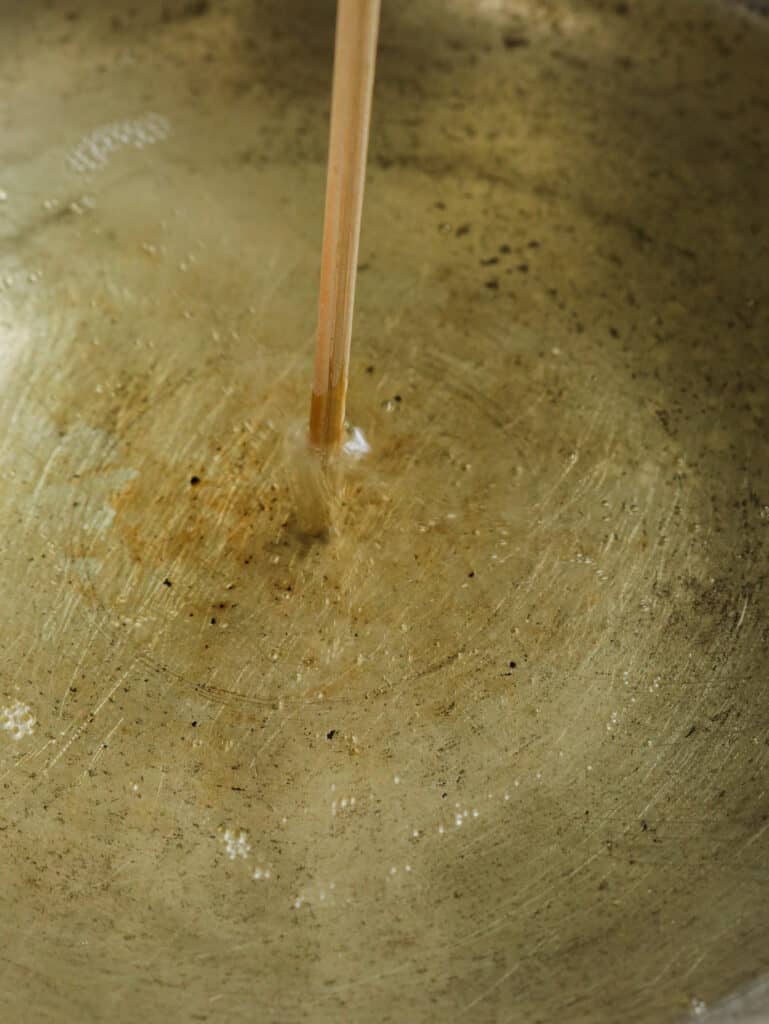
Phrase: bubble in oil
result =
(236, 845)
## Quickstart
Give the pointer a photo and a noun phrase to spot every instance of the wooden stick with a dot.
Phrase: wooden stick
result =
(357, 27)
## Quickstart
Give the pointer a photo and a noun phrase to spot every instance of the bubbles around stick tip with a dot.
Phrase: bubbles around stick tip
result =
(317, 479)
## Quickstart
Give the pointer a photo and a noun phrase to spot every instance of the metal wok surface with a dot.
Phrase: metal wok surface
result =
(496, 750)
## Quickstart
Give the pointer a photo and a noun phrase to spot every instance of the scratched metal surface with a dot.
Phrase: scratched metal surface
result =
(497, 751)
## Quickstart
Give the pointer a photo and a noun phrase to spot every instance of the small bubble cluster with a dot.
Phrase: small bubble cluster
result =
(394, 870)
(344, 804)
(93, 152)
(236, 845)
(582, 559)
(324, 893)
(17, 720)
